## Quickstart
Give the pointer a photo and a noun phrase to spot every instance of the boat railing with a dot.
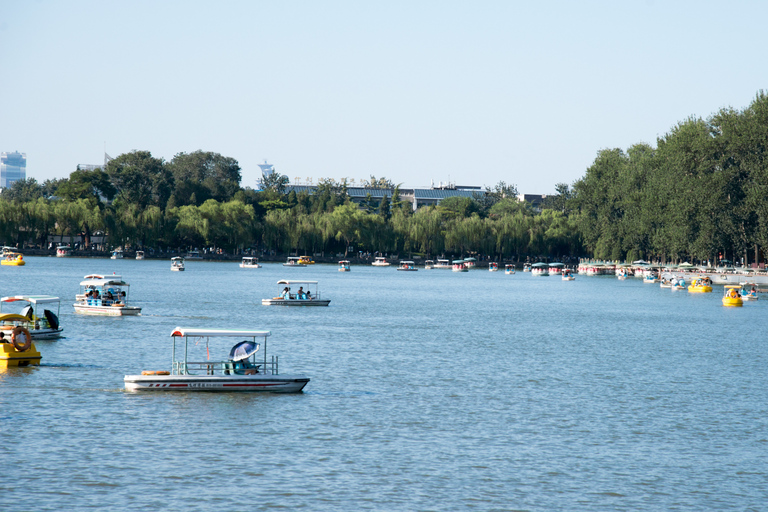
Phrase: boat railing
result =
(225, 367)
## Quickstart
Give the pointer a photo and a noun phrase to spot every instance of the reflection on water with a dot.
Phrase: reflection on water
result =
(430, 390)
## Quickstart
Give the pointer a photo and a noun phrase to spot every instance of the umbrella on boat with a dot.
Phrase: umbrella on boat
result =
(243, 350)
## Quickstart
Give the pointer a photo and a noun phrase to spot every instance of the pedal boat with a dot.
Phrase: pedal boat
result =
(700, 285)
(288, 298)
(43, 326)
(14, 259)
(294, 261)
(749, 294)
(429, 264)
(240, 372)
(678, 285)
(94, 292)
(407, 266)
(344, 266)
(732, 296)
(250, 262)
(380, 261)
(16, 346)
(568, 275)
(177, 264)
(493, 267)
(509, 269)
(650, 278)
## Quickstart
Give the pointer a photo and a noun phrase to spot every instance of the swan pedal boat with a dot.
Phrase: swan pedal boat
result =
(16, 346)
(287, 298)
(240, 372)
(42, 326)
(732, 296)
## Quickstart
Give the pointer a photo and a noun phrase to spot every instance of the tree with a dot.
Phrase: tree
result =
(205, 174)
(140, 178)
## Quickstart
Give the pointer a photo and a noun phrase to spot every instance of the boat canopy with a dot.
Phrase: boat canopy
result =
(344, 261)
(292, 281)
(732, 286)
(33, 299)
(13, 317)
(457, 262)
(186, 331)
(104, 282)
(540, 265)
(470, 259)
(556, 265)
(180, 258)
(407, 262)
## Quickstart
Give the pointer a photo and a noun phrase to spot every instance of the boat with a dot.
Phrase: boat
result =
(567, 275)
(540, 269)
(117, 254)
(666, 282)
(139, 255)
(555, 268)
(193, 255)
(459, 266)
(526, 267)
(429, 264)
(444, 264)
(104, 295)
(177, 264)
(732, 296)
(700, 285)
(407, 266)
(241, 371)
(470, 262)
(14, 259)
(344, 266)
(750, 294)
(306, 260)
(294, 261)
(493, 267)
(250, 262)
(63, 251)
(300, 298)
(380, 261)
(622, 274)
(43, 325)
(678, 284)
(509, 269)
(16, 346)
(650, 278)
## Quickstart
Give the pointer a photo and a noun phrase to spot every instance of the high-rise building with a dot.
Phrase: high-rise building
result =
(13, 167)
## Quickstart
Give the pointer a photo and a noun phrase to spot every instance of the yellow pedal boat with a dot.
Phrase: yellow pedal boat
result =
(16, 347)
(700, 285)
(732, 296)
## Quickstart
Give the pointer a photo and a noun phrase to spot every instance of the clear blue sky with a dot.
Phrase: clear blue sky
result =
(475, 92)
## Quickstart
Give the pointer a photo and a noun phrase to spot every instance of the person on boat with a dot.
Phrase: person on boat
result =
(285, 294)
(300, 293)
(309, 295)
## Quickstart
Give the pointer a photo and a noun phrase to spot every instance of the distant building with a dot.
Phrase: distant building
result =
(13, 167)
(93, 167)
(266, 171)
(536, 200)
(418, 197)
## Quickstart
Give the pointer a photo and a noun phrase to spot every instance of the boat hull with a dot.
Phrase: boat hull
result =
(177, 269)
(249, 266)
(227, 383)
(295, 302)
(732, 302)
(294, 265)
(12, 358)
(106, 310)
(45, 334)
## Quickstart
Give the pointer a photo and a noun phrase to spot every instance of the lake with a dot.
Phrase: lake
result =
(430, 390)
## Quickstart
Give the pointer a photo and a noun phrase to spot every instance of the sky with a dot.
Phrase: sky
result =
(420, 92)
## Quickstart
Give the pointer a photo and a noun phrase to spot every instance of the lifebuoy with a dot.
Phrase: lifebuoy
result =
(149, 372)
(15, 335)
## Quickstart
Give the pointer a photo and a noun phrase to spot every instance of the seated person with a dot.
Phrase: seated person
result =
(308, 295)
(300, 293)
(285, 294)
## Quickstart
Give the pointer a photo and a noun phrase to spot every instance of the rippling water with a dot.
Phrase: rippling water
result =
(430, 390)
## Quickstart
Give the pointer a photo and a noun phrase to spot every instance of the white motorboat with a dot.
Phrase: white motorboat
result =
(407, 266)
(509, 269)
(193, 255)
(117, 254)
(139, 255)
(63, 251)
(104, 295)
(344, 266)
(43, 324)
(429, 264)
(177, 264)
(294, 261)
(241, 371)
(301, 297)
(380, 261)
(250, 262)
(444, 264)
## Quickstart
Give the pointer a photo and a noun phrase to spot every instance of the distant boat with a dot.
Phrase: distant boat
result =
(63, 251)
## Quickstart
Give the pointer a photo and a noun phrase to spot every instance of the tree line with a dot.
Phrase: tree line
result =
(699, 194)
